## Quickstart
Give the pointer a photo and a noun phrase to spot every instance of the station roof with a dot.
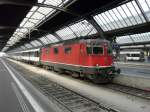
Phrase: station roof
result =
(31, 23)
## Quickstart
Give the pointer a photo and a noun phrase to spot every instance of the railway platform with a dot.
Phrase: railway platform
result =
(105, 96)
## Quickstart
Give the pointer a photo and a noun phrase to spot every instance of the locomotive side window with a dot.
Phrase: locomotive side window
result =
(67, 50)
(89, 50)
(55, 50)
(47, 51)
(97, 50)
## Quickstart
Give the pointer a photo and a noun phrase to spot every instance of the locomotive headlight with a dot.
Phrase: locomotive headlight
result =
(112, 64)
(97, 64)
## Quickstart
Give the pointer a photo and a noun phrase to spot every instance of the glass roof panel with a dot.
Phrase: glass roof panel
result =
(37, 15)
(83, 28)
(45, 40)
(34, 8)
(4, 49)
(145, 4)
(53, 2)
(124, 39)
(44, 10)
(23, 22)
(40, 1)
(29, 25)
(23, 47)
(125, 15)
(29, 14)
(24, 30)
(36, 43)
(52, 38)
(143, 37)
(66, 33)
(28, 45)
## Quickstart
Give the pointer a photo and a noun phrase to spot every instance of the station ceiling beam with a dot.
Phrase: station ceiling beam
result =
(30, 4)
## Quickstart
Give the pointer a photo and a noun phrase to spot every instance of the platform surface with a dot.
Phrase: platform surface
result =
(139, 69)
(18, 95)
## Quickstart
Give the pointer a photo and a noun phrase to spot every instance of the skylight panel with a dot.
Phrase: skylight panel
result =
(41, 1)
(38, 15)
(124, 39)
(28, 45)
(4, 49)
(44, 10)
(145, 4)
(23, 22)
(29, 14)
(45, 40)
(143, 37)
(36, 43)
(23, 47)
(66, 33)
(125, 15)
(83, 28)
(24, 30)
(34, 8)
(53, 2)
(52, 38)
(33, 43)
(29, 25)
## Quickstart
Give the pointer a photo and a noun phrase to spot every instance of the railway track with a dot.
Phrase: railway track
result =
(129, 90)
(72, 101)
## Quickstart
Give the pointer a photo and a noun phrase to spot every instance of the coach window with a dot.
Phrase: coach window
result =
(55, 50)
(37, 54)
(67, 50)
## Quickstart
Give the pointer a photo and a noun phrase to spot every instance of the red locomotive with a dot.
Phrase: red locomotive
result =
(91, 58)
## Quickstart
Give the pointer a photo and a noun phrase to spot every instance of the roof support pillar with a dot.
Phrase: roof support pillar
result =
(96, 26)
(141, 9)
(40, 42)
(57, 36)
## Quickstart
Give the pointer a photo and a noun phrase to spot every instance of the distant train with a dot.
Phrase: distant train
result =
(91, 58)
(132, 55)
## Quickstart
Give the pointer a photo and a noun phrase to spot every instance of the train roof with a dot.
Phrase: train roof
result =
(84, 40)
(30, 50)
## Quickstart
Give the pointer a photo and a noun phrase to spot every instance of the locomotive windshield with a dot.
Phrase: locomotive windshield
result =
(95, 50)
(109, 50)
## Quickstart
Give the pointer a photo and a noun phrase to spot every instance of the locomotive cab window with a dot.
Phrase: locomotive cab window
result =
(94, 50)
(55, 50)
(109, 50)
(97, 50)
